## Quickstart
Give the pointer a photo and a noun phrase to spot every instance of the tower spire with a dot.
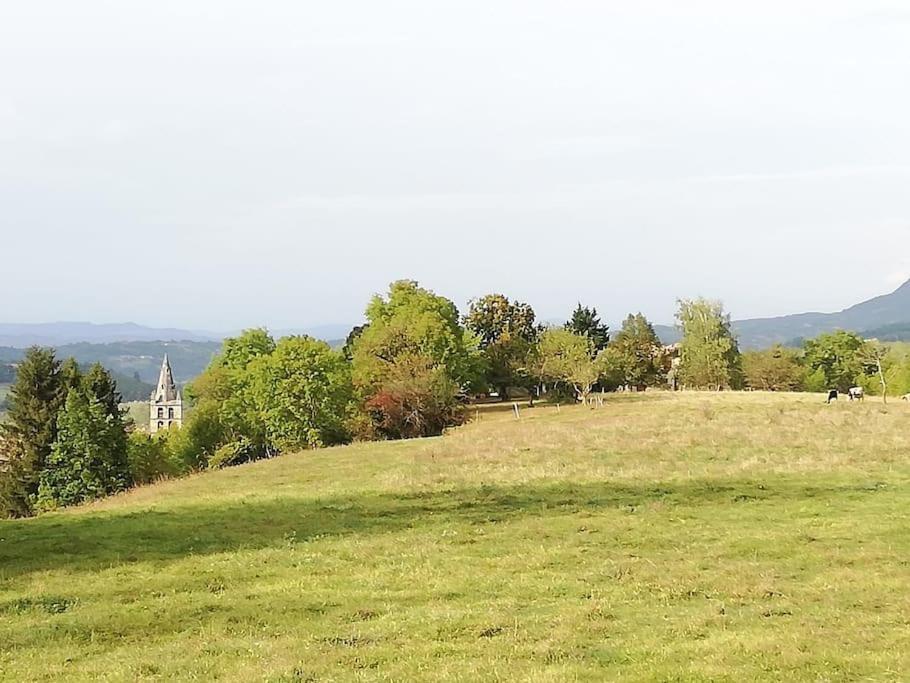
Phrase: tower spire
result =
(167, 389)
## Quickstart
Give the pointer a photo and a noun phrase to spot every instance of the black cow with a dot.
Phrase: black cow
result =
(832, 395)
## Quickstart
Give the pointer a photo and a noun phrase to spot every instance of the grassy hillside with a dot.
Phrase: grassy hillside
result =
(675, 537)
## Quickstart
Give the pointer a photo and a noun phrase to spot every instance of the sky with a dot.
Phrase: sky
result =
(218, 164)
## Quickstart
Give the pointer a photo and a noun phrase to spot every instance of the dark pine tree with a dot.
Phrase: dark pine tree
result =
(30, 429)
(584, 321)
(88, 459)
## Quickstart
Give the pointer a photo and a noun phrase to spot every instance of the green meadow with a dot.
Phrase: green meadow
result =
(674, 537)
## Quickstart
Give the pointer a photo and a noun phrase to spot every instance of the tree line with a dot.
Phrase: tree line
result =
(409, 371)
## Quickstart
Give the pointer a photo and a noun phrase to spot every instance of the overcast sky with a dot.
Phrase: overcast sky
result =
(222, 164)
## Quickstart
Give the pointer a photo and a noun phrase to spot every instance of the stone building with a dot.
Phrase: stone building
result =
(166, 405)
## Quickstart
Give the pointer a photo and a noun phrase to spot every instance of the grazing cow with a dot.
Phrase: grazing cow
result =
(856, 394)
(905, 397)
(832, 395)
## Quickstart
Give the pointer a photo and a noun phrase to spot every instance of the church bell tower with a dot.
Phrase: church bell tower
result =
(166, 403)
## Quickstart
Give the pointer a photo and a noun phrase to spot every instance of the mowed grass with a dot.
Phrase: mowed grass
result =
(680, 537)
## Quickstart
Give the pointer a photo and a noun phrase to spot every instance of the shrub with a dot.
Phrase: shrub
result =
(150, 458)
(416, 399)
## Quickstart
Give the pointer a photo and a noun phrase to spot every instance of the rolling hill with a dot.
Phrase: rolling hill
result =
(886, 317)
(142, 358)
(688, 537)
(21, 335)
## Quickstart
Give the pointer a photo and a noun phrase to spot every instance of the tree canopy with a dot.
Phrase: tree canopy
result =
(709, 353)
(637, 353)
(506, 332)
(585, 321)
(836, 358)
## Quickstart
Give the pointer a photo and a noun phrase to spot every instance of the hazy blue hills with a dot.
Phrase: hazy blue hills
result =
(135, 351)
(871, 318)
(22, 335)
(132, 359)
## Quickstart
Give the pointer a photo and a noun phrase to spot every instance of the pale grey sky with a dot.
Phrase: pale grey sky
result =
(221, 164)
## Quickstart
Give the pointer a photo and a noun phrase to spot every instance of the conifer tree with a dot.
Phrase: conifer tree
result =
(586, 322)
(88, 458)
(30, 430)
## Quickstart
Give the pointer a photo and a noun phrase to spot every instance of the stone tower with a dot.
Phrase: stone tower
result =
(166, 404)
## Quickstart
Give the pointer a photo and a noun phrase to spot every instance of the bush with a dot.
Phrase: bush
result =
(417, 399)
(150, 458)
(232, 453)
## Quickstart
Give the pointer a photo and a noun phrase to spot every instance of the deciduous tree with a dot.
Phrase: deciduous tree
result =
(637, 351)
(302, 391)
(838, 358)
(709, 353)
(506, 331)
(561, 356)
(413, 338)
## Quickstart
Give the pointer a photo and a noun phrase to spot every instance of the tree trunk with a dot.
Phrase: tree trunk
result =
(881, 376)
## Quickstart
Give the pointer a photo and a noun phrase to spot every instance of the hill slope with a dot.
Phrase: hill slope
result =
(883, 311)
(886, 317)
(695, 537)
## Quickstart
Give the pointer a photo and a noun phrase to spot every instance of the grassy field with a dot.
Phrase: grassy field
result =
(687, 537)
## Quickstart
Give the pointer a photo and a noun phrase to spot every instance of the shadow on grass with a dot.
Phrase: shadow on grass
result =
(99, 540)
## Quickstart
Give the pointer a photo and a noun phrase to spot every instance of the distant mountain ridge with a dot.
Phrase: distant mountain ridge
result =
(22, 335)
(139, 360)
(886, 317)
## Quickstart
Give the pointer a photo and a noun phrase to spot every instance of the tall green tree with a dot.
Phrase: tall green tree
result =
(413, 343)
(709, 352)
(303, 393)
(506, 331)
(837, 358)
(238, 352)
(411, 320)
(88, 458)
(637, 352)
(564, 357)
(224, 410)
(98, 383)
(30, 429)
(494, 316)
(585, 321)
